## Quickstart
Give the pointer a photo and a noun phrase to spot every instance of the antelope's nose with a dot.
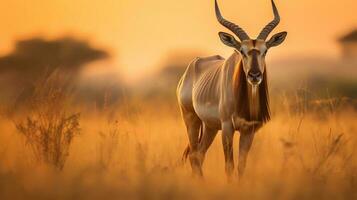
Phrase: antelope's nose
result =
(255, 75)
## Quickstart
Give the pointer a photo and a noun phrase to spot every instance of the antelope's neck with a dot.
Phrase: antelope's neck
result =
(253, 99)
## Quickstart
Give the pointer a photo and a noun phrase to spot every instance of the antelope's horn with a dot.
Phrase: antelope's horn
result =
(269, 27)
(241, 34)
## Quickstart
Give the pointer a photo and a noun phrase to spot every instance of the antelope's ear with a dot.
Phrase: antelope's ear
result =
(229, 40)
(277, 39)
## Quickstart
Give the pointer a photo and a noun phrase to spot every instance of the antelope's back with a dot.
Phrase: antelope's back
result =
(199, 81)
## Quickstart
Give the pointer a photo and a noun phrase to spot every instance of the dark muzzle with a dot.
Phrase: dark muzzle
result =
(255, 77)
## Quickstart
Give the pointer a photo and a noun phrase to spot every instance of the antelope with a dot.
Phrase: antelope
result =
(227, 94)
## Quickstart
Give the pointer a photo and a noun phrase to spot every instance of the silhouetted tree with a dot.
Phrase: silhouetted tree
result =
(36, 59)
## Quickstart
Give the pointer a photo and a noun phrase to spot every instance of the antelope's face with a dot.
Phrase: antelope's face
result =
(253, 51)
(253, 54)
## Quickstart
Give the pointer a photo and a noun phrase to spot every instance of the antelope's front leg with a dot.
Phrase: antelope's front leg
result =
(227, 141)
(245, 142)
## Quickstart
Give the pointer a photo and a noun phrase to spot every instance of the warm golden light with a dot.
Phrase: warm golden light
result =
(140, 33)
(107, 99)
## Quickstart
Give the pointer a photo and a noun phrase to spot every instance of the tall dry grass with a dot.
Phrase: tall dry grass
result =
(50, 125)
(305, 152)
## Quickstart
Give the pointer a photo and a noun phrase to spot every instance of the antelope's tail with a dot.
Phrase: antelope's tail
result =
(187, 150)
(185, 154)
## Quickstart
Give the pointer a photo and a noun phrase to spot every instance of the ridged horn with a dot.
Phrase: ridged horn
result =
(241, 34)
(269, 27)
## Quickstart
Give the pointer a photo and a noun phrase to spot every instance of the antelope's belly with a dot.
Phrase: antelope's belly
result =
(208, 112)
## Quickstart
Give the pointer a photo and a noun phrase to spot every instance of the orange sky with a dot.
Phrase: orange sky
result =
(141, 32)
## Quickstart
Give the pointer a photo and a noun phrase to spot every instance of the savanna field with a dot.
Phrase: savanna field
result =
(56, 149)
(88, 106)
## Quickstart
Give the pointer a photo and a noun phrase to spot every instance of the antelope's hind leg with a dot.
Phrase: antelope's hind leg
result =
(193, 126)
(205, 142)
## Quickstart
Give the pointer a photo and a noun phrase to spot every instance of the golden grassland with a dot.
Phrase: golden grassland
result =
(133, 151)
